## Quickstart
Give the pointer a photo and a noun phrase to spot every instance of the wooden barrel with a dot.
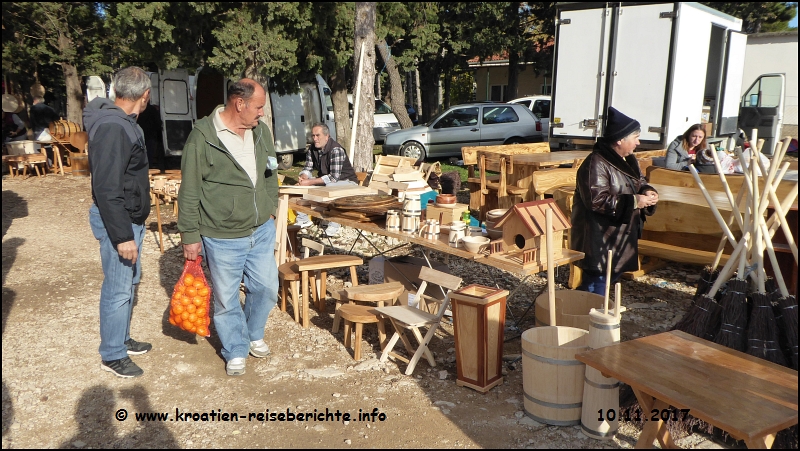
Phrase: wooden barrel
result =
(572, 308)
(61, 130)
(80, 164)
(600, 412)
(552, 379)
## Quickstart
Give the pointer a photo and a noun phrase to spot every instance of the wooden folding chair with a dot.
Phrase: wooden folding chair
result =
(413, 317)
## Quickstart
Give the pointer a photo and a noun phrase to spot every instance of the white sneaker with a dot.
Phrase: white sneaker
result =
(259, 349)
(235, 366)
(302, 220)
(333, 229)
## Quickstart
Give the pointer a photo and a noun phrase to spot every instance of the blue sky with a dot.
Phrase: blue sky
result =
(793, 22)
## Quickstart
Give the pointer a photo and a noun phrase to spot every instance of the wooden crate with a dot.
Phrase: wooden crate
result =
(479, 314)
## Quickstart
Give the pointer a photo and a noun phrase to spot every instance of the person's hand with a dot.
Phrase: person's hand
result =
(191, 251)
(307, 182)
(128, 251)
(647, 199)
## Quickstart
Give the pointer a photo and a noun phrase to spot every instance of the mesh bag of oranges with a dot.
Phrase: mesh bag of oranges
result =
(190, 300)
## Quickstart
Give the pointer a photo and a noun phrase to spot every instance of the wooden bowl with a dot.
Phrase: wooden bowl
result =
(446, 199)
(496, 214)
(494, 234)
(474, 244)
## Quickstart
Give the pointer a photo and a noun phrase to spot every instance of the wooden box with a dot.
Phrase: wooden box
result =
(479, 315)
(448, 214)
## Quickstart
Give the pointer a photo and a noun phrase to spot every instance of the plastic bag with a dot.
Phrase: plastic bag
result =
(746, 155)
(189, 307)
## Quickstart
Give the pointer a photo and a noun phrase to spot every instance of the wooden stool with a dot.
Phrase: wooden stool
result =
(376, 294)
(35, 160)
(289, 274)
(359, 315)
(291, 233)
(323, 263)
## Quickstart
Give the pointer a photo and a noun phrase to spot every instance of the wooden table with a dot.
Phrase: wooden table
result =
(501, 261)
(160, 196)
(749, 398)
(57, 161)
(524, 165)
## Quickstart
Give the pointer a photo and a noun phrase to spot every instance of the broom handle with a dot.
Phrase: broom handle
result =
(758, 253)
(725, 229)
(724, 239)
(774, 260)
(776, 205)
(734, 204)
(608, 280)
(618, 300)
(727, 270)
(551, 285)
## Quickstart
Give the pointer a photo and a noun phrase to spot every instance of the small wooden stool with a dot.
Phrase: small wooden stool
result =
(359, 315)
(291, 233)
(376, 294)
(323, 263)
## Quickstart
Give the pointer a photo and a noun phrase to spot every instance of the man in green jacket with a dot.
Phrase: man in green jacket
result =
(227, 204)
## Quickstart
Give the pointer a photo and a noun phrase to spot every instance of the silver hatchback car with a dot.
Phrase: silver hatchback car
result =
(473, 124)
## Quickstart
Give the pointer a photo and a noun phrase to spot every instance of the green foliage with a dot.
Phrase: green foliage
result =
(462, 87)
(759, 16)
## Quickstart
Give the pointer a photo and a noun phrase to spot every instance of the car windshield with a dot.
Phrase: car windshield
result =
(436, 118)
(381, 107)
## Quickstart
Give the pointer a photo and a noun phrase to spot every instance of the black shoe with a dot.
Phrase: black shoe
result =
(122, 367)
(137, 347)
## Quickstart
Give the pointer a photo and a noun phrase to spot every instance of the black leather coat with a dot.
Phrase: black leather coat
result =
(604, 214)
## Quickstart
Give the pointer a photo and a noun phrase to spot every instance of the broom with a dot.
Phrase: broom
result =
(734, 312)
(788, 307)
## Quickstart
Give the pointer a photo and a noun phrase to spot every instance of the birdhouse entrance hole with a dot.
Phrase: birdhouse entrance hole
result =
(519, 241)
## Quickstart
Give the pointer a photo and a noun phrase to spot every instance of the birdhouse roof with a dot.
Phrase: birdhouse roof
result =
(532, 214)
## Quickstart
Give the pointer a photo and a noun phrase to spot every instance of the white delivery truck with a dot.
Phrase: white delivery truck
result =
(668, 65)
(184, 97)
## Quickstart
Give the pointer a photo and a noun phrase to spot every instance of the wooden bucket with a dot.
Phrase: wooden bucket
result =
(61, 130)
(552, 379)
(600, 393)
(572, 308)
(80, 164)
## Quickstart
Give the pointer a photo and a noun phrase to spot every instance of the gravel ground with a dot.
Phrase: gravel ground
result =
(55, 395)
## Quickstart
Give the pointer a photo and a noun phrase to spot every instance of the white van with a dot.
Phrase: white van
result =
(385, 121)
(183, 98)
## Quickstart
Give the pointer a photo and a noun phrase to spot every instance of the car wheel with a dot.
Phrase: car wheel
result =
(515, 140)
(285, 161)
(413, 149)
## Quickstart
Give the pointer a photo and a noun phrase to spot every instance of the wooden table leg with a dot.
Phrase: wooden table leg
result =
(653, 429)
(57, 158)
(761, 442)
(322, 296)
(281, 223)
(158, 220)
(305, 299)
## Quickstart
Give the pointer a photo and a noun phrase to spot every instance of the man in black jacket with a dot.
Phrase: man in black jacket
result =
(120, 191)
(612, 199)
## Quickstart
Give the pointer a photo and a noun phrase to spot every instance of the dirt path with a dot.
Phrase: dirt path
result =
(55, 395)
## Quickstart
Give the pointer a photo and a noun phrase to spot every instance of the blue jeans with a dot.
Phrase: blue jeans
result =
(120, 278)
(229, 260)
(596, 283)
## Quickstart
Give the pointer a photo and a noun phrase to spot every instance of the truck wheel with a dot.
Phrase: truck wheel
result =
(515, 140)
(413, 149)
(285, 161)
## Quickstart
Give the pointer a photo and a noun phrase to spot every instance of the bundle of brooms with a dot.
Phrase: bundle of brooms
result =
(748, 313)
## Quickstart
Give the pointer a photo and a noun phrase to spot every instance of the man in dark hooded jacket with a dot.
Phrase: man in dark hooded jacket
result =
(612, 199)
(121, 195)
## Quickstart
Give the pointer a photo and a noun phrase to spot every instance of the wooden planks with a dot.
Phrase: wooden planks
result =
(328, 193)
(470, 154)
(712, 182)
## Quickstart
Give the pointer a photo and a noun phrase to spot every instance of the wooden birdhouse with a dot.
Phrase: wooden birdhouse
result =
(524, 228)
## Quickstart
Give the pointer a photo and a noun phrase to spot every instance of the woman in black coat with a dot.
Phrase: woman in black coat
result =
(612, 199)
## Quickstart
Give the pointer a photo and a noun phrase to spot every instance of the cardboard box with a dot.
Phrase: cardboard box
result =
(707, 127)
(448, 214)
(404, 270)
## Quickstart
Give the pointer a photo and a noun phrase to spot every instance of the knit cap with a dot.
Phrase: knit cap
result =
(618, 125)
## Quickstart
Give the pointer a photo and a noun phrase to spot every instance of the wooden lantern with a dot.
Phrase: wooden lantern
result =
(479, 315)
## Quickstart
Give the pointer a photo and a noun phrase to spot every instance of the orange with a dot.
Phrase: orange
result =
(191, 308)
(172, 320)
(202, 291)
(203, 331)
(191, 291)
(185, 315)
(198, 301)
(178, 309)
(201, 312)
(175, 302)
(177, 294)
(186, 300)
(192, 317)
(198, 283)
(188, 280)
(180, 288)
(192, 328)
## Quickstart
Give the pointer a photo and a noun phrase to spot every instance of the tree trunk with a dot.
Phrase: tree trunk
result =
(429, 90)
(513, 76)
(364, 33)
(71, 81)
(396, 87)
(448, 78)
(341, 110)
(252, 72)
(419, 93)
